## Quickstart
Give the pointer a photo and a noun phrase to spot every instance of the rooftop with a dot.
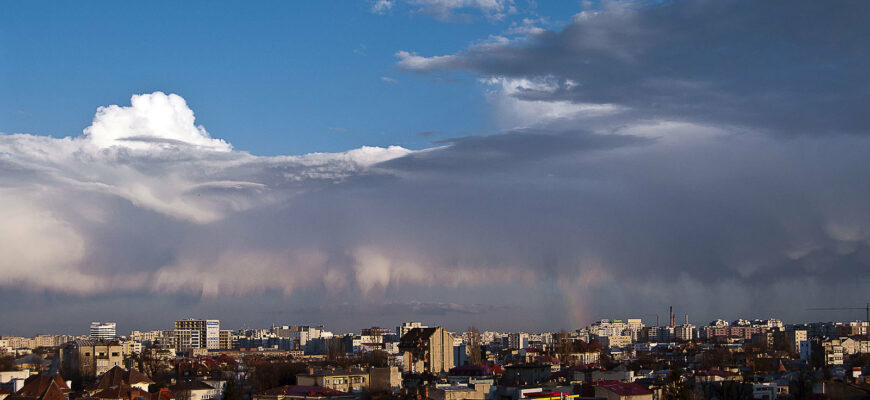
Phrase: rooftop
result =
(625, 388)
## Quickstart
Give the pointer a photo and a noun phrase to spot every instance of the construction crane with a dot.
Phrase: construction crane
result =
(865, 308)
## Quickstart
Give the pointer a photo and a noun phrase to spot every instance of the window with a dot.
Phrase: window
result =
(114, 354)
(87, 354)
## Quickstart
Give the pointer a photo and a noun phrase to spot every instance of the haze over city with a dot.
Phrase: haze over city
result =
(514, 165)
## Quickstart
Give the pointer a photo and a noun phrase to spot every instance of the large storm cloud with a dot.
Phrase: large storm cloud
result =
(645, 160)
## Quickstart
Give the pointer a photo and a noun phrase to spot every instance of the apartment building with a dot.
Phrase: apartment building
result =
(427, 350)
(353, 380)
(90, 358)
(103, 330)
(193, 334)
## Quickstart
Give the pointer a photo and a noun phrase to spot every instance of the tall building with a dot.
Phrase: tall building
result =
(226, 340)
(102, 330)
(427, 350)
(407, 326)
(684, 332)
(518, 340)
(197, 334)
(90, 358)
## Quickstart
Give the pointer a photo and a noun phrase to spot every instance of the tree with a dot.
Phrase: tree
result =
(267, 374)
(375, 358)
(801, 387)
(231, 390)
(473, 345)
(335, 349)
(7, 363)
(564, 344)
(676, 388)
(716, 358)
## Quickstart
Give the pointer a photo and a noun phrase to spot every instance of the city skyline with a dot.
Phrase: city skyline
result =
(503, 164)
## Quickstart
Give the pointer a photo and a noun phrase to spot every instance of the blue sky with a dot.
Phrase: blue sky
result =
(270, 77)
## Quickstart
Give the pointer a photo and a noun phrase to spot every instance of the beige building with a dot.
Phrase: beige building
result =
(619, 341)
(794, 338)
(90, 358)
(225, 340)
(50, 340)
(17, 342)
(385, 379)
(341, 380)
(427, 350)
(479, 391)
(854, 346)
(833, 352)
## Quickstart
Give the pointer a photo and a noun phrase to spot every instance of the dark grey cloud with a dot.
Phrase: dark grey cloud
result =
(719, 224)
(511, 149)
(790, 67)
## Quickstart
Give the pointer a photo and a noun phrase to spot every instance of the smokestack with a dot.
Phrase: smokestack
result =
(657, 321)
(671, 319)
(687, 319)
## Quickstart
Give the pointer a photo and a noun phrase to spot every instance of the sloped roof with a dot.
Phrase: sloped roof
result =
(122, 391)
(117, 376)
(42, 387)
(190, 385)
(127, 392)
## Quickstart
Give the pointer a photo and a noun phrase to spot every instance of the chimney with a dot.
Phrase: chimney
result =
(687, 319)
(658, 323)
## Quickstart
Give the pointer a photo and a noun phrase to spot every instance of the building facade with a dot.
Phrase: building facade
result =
(193, 334)
(427, 350)
(102, 330)
(90, 358)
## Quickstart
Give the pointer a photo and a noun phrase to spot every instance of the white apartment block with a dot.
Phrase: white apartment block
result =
(102, 330)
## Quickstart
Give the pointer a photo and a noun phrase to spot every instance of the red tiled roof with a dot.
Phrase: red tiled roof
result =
(117, 376)
(625, 388)
(122, 391)
(42, 387)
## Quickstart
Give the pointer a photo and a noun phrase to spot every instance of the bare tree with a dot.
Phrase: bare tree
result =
(563, 345)
(473, 345)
